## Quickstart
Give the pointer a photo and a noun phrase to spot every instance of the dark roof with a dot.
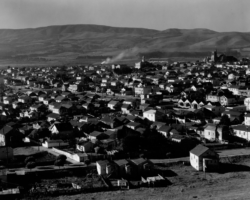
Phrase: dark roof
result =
(63, 126)
(53, 115)
(199, 150)
(95, 133)
(60, 98)
(5, 130)
(164, 128)
(126, 106)
(138, 161)
(133, 124)
(121, 162)
(11, 124)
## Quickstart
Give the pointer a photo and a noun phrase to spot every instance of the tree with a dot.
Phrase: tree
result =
(87, 162)
(29, 159)
(31, 165)
(59, 163)
(225, 120)
(62, 157)
(60, 160)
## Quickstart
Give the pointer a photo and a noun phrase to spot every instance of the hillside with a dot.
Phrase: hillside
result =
(73, 41)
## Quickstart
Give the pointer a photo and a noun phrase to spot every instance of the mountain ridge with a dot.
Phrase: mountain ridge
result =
(90, 39)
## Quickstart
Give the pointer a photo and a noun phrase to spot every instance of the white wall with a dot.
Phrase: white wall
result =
(210, 135)
(149, 116)
(194, 161)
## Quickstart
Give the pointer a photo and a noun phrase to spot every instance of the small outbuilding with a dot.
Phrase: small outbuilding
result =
(203, 159)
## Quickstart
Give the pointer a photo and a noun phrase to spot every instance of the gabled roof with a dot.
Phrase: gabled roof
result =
(164, 128)
(113, 102)
(211, 127)
(60, 98)
(121, 162)
(95, 133)
(63, 126)
(138, 161)
(53, 115)
(199, 150)
(5, 130)
(134, 124)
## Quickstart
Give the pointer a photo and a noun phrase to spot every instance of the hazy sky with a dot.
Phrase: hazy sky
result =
(219, 15)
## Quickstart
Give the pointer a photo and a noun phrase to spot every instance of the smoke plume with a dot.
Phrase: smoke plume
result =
(124, 54)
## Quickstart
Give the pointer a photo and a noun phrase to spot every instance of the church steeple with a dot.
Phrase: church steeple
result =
(142, 59)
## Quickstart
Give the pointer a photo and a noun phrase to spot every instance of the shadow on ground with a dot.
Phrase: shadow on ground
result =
(228, 167)
(167, 173)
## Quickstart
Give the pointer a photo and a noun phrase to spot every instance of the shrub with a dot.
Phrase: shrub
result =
(31, 165)
(59, 163)
(87, 162)
(62, 157)
(29, 159)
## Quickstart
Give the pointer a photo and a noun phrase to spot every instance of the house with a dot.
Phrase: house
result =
(104, 167)
(126, 108)
(178, 138)
(88, 106)
(197, 104)
(203, 159)
(234, 89)
(184, 103)
(85, 146)
(25, 99)
(112, 122)
(38, 107)
(48, 100)
(111, 134)
(10, 136)
(133, 125)
(123, 168)
(57, 108)
(157, 125)
(113, 105)
(210, 132)
(226, 100)
(216, 109)
(61, 128)
(242, 131)
(164, 130)
(142, 91)
(59, 99)
(247, 119)
(132, 102)
(143, 107)
(141, 166)
(42, 97)
(153, 115)
(212, 98)
(54, 143)
(126, 91)
(8, 100)
(40, 125)
(96, 135)
(231, 114)
(53, 117)
(108, 144)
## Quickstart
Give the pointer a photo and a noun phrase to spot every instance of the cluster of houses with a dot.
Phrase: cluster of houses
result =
(93, 105)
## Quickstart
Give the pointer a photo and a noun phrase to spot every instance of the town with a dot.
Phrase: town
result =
(117, 126)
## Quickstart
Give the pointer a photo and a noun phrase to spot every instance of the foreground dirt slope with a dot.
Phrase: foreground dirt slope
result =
(186, 184)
